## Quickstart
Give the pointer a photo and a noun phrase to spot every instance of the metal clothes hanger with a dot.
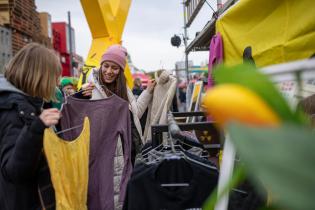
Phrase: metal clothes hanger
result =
(66, 97)
(61, 108)
(177, 150)
(69, 129)
(170, 151)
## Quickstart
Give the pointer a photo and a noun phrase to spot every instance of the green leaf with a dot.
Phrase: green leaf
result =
(249, 76)
(280, 158)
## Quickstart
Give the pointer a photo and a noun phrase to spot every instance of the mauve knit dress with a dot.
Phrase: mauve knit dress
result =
(109, 118)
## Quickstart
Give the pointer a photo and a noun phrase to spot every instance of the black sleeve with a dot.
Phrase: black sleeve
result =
(80, 95)
(21, 147)
(174, 103)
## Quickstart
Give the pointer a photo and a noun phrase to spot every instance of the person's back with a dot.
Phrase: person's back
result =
(182, 95)
(27, 83)
(15, 185)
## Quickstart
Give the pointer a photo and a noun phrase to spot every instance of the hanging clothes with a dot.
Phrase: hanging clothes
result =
(68, 165)
(145, 191)
(136, 106)
(163, 95)
(215, 55)
(110, 121)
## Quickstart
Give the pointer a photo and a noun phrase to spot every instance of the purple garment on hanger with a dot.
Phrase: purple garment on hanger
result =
(109, 118)
(215, 55)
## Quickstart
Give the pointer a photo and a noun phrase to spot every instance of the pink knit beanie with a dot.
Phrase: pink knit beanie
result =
(116, 54)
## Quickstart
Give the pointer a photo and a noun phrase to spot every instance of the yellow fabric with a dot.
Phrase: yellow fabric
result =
(86, 70)
(278, 31)
(68, 165)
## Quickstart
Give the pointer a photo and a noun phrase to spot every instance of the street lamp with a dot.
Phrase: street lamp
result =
(176, 41)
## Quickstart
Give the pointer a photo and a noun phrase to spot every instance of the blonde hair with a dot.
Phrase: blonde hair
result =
(35, 70)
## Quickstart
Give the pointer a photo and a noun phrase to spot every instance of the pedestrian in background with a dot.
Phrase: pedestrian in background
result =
(137, 87)
(67, 86)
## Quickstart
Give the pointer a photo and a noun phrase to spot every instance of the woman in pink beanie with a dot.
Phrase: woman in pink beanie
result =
(110, 79)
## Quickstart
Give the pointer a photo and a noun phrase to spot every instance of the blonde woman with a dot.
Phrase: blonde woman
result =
(29, 80)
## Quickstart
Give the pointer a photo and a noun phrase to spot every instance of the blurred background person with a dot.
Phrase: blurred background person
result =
(67, 86)
(137, 87)
(182, 99)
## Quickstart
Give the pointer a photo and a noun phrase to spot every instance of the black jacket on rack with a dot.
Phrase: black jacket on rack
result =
(144, 189)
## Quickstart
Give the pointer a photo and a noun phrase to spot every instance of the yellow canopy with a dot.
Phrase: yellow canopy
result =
(277, 30)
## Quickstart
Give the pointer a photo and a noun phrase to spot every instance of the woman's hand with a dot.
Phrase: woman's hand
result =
(151, 85)
(50, 117)
(87, 89)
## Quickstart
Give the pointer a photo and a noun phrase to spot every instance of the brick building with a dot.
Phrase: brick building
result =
(21, 24)
(21, 17)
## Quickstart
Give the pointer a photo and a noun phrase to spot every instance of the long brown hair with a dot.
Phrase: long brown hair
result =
(35, 70)
(118, 87)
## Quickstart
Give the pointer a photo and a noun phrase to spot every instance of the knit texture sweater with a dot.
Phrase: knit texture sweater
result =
(162, 100)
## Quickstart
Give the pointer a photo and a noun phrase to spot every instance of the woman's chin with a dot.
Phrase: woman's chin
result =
(108, 81)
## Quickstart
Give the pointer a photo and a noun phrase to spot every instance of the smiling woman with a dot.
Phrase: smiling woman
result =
(111, 73)
(110, 80)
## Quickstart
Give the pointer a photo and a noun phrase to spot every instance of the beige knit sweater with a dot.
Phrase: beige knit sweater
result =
(163, 95)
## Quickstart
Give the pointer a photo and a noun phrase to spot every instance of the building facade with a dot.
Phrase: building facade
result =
(21, 17)
(21, 24)
(46, 29)
(5, 47)
(61, 43)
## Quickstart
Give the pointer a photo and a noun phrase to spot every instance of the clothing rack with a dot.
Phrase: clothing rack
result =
(278, 73)
(174, 177)
(157, 130)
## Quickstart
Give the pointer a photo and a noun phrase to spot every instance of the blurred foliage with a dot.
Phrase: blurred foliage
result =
(279, 159)
(250, 77)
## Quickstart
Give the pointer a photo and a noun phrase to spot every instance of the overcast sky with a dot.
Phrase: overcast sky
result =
(148, 30)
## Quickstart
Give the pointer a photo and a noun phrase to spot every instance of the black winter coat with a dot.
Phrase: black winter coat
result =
(21, 156)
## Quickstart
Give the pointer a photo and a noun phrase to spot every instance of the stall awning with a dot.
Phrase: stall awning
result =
(275, 31)
(202, 40)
